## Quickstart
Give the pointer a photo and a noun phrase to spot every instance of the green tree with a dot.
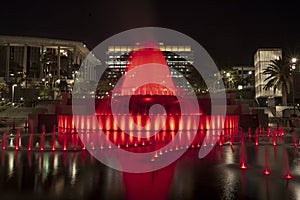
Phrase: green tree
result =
(3, 88)
(279, 77)
(45, 91)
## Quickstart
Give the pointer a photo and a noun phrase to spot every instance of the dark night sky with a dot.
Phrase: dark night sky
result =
(231, 31)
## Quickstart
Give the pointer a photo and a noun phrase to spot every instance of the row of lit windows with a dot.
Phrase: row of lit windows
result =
(136, 48)
(260, 92)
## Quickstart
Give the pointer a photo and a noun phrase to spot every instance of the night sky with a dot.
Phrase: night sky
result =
(230, 31)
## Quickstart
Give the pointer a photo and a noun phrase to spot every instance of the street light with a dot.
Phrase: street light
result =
(13, 92)
(293, 67)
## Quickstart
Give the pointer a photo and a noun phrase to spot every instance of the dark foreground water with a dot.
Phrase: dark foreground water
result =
(77, 175)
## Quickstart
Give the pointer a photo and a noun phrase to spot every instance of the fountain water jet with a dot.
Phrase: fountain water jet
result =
(257, 137)
(18, 139)
(287, 166)
(295, 139)
(274, 138)
(42, 141)
(54, 138)
(4, 145)
(267, 169)
(243, 157)
(30, 142)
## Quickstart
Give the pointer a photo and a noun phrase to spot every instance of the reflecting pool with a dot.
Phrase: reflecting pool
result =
(77, 175)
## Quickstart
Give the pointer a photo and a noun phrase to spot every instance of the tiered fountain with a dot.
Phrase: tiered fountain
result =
(141, 100)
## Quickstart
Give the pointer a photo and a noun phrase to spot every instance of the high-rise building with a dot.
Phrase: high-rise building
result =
(262, 60)
(179, 58)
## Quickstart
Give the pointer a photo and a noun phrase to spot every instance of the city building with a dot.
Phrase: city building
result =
(179, 58)
(40, 58)
(295, 73)
(262, 59)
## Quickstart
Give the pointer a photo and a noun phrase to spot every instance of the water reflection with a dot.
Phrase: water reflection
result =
(77, 175)
(49, 175)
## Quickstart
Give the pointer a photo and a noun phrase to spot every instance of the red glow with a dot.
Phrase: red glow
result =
(65, 142)
(267, 171)
(144, 186)
(274, 139)
(256, 139)
(147, 99)
(18, 140)
(4, 141)
(243, 165)
(141, 100)
(54, 138)
(288, 176)
(124, 140)
(295, 145)
(146, 56)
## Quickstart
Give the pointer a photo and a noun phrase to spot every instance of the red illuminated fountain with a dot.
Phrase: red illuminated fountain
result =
(269, 133)
(53, 148)
(243, 157)
(275, 133)
(287, 166)
(257, 137)
(4, 145)
(30, 142)
(295, 139)
(17, 142)
(42, 141)
(141, 101)
(267, 168)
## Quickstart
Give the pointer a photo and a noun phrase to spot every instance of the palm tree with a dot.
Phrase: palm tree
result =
(279, 77)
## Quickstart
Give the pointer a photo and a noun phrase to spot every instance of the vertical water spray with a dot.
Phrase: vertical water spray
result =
(287, 166)
(18, 138)
(42, 141)
(267, 168)
(243, 157)
(53, 148)
(4, 145)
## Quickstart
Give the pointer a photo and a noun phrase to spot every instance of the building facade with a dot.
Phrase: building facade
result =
(238, 77)
(179, 58)
(39, 58)
(262, 59)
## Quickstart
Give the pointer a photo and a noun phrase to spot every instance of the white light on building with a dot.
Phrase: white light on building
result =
(262, 60)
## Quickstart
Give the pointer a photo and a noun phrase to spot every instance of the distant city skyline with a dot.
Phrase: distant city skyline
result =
(231, 32)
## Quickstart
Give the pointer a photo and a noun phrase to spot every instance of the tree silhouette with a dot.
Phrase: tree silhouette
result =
(279, 77)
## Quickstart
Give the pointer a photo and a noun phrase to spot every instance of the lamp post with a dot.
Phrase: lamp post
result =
(293, 67)
(13, 92)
